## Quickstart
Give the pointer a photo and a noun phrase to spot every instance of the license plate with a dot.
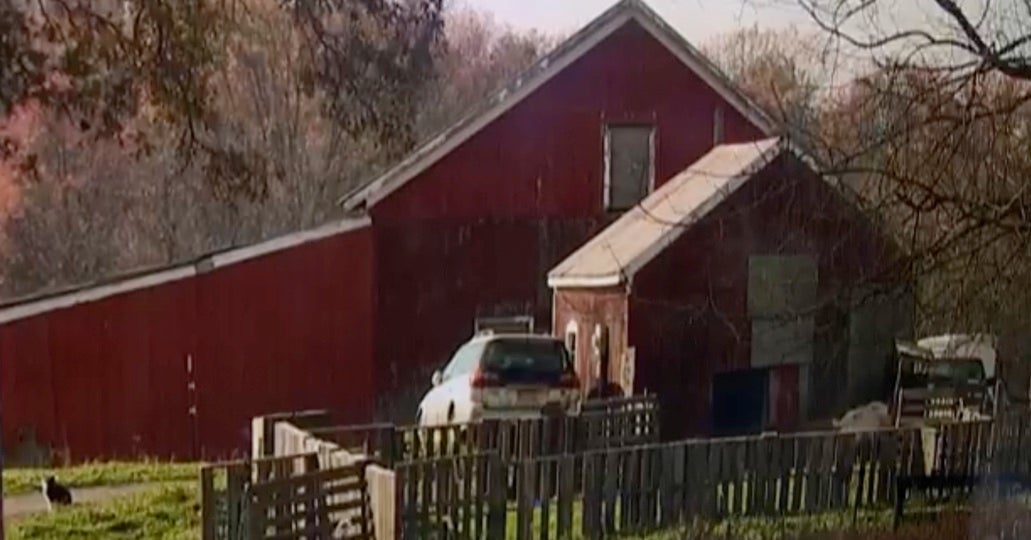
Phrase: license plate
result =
(527, 395)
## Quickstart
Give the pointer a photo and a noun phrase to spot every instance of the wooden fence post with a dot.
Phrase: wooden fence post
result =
(497, 511)
(566, 487)
(236, 504)
(388, 445)
(315, 508)
(208, 503)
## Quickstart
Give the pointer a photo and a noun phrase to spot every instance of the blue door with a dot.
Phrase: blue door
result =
(739, 402)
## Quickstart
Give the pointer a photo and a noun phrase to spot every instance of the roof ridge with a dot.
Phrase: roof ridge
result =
(40, 301)
(541, 71)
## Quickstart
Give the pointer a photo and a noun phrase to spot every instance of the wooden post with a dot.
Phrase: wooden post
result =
(900, 502)
(401, 511)
(236, 506)
(363, 493)
(525, 492)
(497, 512)
(566, 484)
(315, 508)
(388, 446)
(207, 499)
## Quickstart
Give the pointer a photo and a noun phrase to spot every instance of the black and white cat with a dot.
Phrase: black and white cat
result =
(55, 493)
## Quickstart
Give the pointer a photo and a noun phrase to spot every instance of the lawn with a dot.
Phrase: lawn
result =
(99, 474)
(166, 513)
(991, 521)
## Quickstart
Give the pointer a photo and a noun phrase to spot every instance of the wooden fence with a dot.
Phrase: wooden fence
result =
(602, 424)
(284, 498)
(639, 488)
(306, 488)
(596, 475)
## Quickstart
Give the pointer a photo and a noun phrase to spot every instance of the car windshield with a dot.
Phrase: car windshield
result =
(526, 357)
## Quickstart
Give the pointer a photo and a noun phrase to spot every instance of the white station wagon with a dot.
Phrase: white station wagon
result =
(502, 376)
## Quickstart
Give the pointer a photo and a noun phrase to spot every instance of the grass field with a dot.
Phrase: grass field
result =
(99, 474)
(996, 520)
(170, 513)
(165, 513)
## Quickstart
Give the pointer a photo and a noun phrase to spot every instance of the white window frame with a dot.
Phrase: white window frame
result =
(607, 187)
(571, 336)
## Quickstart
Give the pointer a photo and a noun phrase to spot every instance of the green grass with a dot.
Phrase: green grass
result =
(165, 513)
(99, 474)
(763, 528)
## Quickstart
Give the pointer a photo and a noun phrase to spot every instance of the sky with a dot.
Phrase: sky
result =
(700, 20)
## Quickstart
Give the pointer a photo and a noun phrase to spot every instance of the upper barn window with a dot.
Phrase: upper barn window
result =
(629, 164)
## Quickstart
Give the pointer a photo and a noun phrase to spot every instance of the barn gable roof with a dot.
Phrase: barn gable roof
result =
(540, 73)
(613, 256)
(23, 308)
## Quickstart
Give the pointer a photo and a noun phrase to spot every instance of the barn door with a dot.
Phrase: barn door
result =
(739, 401)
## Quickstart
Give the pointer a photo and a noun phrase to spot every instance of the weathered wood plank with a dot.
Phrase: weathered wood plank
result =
(566, 489)
(545, 482)
(612, 480)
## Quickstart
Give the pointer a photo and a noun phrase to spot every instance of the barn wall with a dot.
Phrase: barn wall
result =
(285, 332)
(109, 378)
(587, 308)
(435, 280)
(689, 309)
(478, 230)
(105, 378)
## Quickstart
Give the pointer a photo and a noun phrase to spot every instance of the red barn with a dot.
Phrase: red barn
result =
(175, 362)
(746, 292)
(355, 316)
(469, 224)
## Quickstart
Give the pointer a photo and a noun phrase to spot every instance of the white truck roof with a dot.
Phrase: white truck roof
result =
(981, 346)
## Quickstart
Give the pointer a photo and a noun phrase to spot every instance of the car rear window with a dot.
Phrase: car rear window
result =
(517, 357)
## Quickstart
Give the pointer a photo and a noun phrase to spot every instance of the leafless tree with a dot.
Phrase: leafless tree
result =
(932, 132)
(477, 56)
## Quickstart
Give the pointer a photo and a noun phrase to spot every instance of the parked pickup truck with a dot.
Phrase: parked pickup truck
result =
(942, 384)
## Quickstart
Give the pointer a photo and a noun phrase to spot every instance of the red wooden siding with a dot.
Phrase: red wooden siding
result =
(689, 309)
(784, 398)
(544, 157)
(105, 378)
(478, 230)
(108, 378)
(288, 331)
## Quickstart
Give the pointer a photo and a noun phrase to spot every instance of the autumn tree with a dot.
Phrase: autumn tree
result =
(102, 64)
(90, 207)
(477, 58)
(781, 69)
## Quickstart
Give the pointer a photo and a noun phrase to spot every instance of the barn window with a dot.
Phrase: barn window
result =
(717, 126)
(629, 164)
